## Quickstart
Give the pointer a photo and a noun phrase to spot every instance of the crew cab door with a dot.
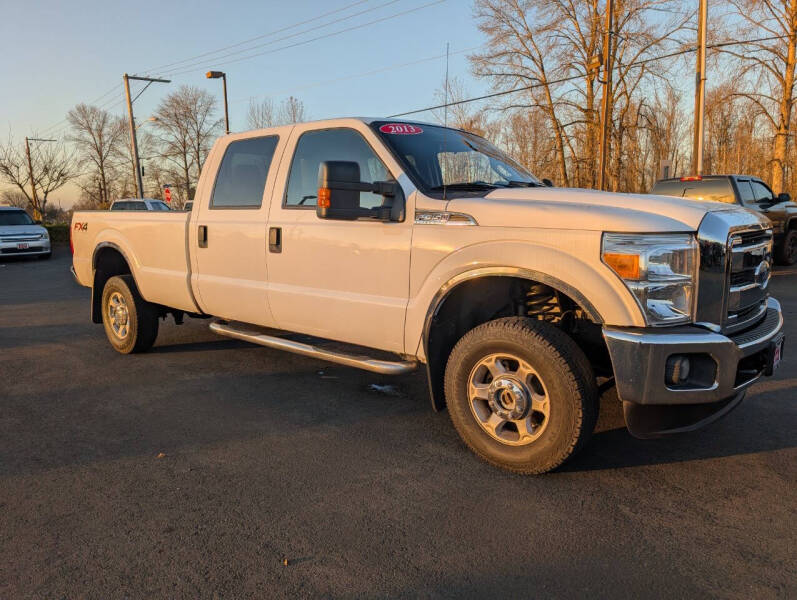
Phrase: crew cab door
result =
(342, 280)
(228, 235)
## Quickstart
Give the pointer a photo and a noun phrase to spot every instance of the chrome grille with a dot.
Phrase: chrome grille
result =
(20, 237)
(733, 245)
(749, 268)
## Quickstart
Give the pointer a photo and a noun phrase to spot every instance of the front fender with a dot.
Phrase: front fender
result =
(573, 268)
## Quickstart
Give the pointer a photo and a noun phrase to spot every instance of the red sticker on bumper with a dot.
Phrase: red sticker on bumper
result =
(400, 129)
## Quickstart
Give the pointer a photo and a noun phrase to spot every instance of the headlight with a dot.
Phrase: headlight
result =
(659, 270)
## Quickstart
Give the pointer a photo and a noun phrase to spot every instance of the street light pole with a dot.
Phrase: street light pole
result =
(133, 138)
(223, 76)
(700, 90)
(36, 210)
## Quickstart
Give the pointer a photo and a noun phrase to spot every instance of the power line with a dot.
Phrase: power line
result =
(357, 75)
(259, 37)
(638, 63)
(317, 38)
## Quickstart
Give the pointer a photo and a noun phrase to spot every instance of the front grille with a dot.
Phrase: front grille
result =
(749, 265)
(20, 238)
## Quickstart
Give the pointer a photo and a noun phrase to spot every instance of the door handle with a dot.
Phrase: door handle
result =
(202, 236)
(275, 239)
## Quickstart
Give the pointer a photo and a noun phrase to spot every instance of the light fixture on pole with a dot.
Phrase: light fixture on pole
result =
(223, 76)
(133, 141)
(37, 214)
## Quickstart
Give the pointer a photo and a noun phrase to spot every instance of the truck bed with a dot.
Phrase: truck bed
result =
(154, 244)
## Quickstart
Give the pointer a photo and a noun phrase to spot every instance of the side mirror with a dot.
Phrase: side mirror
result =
(339, 188)
(784, 197)
(547, 182)
(37, 222)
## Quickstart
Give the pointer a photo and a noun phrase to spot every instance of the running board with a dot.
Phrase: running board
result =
(385, 367)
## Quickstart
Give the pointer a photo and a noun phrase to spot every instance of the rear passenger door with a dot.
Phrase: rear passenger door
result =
(229, 231)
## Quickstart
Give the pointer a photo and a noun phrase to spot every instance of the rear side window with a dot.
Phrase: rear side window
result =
(242, 176)
(315, 147)
(745, 191)
(138, 205)
(159, 206)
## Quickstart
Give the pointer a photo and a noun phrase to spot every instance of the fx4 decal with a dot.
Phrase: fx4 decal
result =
(81, 227)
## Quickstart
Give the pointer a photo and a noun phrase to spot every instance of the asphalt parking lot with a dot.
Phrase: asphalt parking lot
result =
(197, 469)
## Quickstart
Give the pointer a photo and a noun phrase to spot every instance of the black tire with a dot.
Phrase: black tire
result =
(570, 387)
(787, 252)
(141, 325)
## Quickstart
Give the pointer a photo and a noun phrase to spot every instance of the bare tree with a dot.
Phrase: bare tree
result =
(261, 114)
(98, 137)
(52, 166)
(291, 110)
(771, 67)
(187, 127)
(550, 44)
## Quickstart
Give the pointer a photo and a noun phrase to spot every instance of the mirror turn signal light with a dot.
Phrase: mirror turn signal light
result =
(625, 265)
(323, 197)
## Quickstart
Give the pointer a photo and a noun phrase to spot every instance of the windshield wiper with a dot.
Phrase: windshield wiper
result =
(474, 185)
(514, 183)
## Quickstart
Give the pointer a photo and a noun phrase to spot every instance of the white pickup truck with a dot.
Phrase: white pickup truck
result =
(395, 244)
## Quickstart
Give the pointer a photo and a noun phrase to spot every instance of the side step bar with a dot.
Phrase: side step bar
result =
(385, 367)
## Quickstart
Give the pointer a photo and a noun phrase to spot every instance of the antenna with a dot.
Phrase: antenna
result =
(445, 110)
(445, 124)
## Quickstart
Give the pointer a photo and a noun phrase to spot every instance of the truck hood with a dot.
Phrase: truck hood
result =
(564, 208)
(14, 230)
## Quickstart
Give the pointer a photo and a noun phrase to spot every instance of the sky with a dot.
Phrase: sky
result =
(65, 53)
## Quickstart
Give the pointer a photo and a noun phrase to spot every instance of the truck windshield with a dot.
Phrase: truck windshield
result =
(15, 217)
(438, 158)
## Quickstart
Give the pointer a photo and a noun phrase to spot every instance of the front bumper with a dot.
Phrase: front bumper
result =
(34, 248)
(728, 364)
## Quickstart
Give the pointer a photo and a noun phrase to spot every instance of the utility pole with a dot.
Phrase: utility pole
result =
(606, 116)
(700, 89)
(37, 214)
(133, 138)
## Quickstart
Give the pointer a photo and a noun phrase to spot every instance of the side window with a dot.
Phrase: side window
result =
(139, 205)
(761, 193)
(242, 175)
(315, 147)
(745, 191)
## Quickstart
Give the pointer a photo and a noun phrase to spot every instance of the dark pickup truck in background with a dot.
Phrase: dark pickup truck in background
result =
(749, 192)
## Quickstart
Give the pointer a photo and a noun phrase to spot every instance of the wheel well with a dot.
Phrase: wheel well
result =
(476, 301)
(108, 262)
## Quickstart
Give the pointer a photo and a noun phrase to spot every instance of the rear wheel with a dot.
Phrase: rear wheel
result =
(787, 253)
(131, 323)
(521, 394)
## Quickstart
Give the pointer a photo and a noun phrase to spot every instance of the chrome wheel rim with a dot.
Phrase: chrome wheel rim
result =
(508, 399)
(118, 315)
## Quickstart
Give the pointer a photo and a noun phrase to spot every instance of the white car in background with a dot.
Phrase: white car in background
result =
(21, 236)
(139, 204)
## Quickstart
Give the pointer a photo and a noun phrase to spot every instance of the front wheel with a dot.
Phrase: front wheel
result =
(131, 323)
(787, 253)
(521, 394)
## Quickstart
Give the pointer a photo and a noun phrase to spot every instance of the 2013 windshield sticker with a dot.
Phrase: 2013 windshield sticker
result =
(401, 129)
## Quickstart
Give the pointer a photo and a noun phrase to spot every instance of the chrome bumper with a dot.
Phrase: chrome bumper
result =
(639, 358)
